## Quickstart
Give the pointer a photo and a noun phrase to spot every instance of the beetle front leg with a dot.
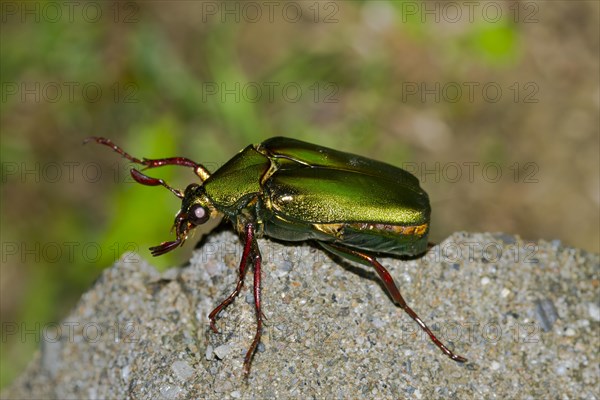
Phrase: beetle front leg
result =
(249, 235)
(392, 289)
(250, 249)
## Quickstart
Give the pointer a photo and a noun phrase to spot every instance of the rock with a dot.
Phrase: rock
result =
(331, 330)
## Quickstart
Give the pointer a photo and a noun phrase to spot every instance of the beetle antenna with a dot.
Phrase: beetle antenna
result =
(149, 181)
(199, 169)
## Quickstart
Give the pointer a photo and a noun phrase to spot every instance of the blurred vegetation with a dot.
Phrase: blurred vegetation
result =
(177, 79)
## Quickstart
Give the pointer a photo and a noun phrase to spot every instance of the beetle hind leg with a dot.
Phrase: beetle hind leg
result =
(392, 289)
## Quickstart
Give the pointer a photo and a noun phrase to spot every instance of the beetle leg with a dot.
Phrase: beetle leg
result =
(257, 259)
(392, 289)
(199, 170)
(250, 249)
(242, 273)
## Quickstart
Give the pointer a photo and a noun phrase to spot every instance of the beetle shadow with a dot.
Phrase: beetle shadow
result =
(222, 227)
(361, 270)
(364, 271)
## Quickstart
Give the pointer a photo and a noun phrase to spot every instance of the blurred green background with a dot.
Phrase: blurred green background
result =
(454, 93)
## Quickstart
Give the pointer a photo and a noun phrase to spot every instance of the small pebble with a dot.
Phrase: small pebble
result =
(378, 323)
(170, 391)
(594, 311)
(546, 313)
(485, 280)
(495, 366)
(505, 292)
(222, 351)
(125, 373)
(235, 394)
(561, 369)
(209, 355)
(182, 370)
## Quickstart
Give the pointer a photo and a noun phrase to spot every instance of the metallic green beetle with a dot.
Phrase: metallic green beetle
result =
(292, 190)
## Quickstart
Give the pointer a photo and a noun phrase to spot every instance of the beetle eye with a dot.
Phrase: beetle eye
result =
(198, 215)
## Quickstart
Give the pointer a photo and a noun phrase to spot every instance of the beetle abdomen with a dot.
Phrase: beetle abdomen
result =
(379, 238)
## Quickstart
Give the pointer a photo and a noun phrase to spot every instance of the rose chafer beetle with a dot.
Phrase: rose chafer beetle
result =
(293, 191)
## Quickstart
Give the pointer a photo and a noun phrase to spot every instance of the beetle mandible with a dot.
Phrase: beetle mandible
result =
(294, 191)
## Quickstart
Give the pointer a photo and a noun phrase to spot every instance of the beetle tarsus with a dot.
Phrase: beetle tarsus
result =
(458, 358)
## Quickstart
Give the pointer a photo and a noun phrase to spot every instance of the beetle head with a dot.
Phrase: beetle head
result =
(196, 209)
